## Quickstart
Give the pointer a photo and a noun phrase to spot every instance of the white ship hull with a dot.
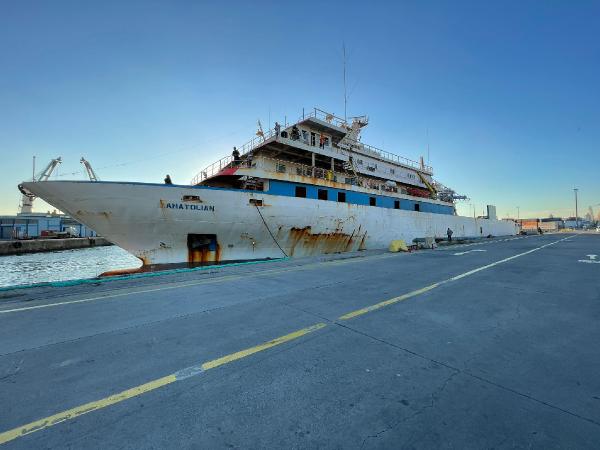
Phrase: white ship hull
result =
(153, 221)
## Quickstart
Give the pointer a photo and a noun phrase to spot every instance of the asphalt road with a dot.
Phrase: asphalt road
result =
(494, 345)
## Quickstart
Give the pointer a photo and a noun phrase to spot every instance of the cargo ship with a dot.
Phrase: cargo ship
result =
(298, 189)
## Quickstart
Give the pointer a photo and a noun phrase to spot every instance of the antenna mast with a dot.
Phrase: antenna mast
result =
(345, 95)
(428, 160)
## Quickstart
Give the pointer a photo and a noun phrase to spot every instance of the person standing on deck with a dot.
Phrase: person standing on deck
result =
(449, 233)
(277, 130)
(295, 133)
(168, 179)
(322, 141)
(236, 154)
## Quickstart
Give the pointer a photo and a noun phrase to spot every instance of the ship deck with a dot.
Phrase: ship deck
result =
(491, 344)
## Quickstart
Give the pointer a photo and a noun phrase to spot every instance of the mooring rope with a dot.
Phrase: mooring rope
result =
(268, 229)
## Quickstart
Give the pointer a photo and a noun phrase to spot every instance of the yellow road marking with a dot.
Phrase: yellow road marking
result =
(72, 413)
(185, 373)
(376, 306)
(197, 283)
(120, 294)
(360, 312)
(212, 280)
(259, 348)
(84, 409)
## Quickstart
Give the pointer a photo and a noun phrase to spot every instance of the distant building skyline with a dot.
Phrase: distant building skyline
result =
(503, 97)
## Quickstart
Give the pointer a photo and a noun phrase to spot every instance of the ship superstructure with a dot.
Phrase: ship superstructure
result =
(298, 189)
(324, 150)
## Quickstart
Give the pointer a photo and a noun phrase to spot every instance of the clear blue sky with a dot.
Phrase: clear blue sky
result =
(510, 91)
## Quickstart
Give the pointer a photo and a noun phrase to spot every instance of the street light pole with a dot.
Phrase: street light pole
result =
(518, 213)
(576, 213)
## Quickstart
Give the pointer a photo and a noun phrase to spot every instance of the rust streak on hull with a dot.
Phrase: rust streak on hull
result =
(204, 255)
(303, 240)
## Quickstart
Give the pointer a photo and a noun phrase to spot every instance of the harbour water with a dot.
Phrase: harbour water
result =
(63, 265)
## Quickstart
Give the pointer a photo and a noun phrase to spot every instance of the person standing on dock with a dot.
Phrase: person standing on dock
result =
(449, 233)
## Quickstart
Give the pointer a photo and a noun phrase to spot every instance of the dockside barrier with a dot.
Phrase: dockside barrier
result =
(97, 280)
(18, 247)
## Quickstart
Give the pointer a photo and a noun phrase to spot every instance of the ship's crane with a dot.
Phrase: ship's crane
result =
(447, 194)
(49, 169)
(89, 169)
(28, 197)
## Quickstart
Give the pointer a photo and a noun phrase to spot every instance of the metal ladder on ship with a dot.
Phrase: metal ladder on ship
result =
(349, 168)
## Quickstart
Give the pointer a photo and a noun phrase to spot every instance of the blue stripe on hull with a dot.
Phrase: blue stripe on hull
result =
(288, 189)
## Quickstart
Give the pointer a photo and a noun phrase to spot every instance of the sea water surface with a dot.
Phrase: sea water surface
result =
(63, 265)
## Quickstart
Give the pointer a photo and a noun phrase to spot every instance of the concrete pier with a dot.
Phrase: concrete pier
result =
(486, 345)
(19, 247)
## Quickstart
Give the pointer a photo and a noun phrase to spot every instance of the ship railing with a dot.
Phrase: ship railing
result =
(339, 122)
(260, 138)
(212, 169)
(392, 157)
(325, 116)
(229, 161)
(280, 166)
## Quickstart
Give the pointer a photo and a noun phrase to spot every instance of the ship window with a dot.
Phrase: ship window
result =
(280, 168)
(313, 138)
(417, 207)
(392, 171)
(396, 204)
(323, 194)
(301, 191)
(341, 196)
(256, 202)
(372, 201)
